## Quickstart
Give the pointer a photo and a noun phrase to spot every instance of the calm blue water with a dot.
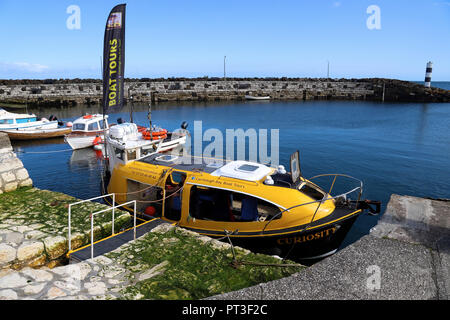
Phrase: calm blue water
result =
(401, 148)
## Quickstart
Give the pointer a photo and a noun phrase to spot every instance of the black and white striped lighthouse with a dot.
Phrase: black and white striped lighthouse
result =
(428, 74)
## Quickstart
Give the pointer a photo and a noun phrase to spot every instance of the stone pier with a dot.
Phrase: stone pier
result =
(12, 173)
(406, 257)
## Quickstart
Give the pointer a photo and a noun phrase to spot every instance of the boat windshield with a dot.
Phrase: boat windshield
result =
(78, 126)
(311, 191)
(25, 120)
(6, 121)
(93, 126)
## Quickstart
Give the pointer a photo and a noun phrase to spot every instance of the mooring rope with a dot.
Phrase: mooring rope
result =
(42, 152)
(235, 263)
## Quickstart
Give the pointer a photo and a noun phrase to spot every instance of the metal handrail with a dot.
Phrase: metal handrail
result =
(105, 210)
(80, 202)
(324, 199)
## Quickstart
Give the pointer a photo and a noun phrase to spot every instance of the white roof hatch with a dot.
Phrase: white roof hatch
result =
(244, 170)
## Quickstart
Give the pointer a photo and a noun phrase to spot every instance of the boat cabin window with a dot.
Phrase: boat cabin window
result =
(25, 120)
(93, 126)
(100, 123)
(173, 189)
(227, 206)
(311, 191)
(78, 126)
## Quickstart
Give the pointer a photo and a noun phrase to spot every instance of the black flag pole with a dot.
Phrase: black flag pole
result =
(113, 68)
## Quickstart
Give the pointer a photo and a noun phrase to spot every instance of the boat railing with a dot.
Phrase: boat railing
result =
(327, 196)
(92, 215)
(78, 203)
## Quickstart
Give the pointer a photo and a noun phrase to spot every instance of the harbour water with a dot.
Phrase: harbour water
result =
(401, 148)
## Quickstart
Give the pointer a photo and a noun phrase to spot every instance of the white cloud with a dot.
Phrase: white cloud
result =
(23, 67)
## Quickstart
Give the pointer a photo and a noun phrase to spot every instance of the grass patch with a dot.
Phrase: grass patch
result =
(191, 269)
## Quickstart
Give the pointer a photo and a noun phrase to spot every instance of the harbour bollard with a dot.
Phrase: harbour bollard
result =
(428, 74)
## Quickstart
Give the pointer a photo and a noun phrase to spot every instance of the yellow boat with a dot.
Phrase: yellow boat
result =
(257, 207)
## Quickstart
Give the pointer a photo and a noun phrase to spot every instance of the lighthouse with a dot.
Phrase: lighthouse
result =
(428, 74)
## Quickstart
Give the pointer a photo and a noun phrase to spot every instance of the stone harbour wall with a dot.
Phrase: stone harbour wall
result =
(185, 90)
(12, 173)
(73, 92)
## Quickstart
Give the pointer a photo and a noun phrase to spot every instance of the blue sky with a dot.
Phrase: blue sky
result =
(260, 38)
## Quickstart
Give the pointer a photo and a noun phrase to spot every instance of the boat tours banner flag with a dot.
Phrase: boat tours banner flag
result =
(114, 60)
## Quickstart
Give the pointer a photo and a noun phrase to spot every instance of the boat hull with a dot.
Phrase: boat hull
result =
(307, 244)
(37, 134)
(81, 141)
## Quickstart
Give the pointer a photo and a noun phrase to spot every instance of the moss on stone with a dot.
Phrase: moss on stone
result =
(42, 215)
(192, 269)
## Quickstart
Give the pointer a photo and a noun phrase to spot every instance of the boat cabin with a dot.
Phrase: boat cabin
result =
(89, 123)
(214, 194)
(15, 118)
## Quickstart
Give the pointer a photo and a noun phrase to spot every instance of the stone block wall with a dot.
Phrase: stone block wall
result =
(66, 94)
(12, 173)
(78, 91)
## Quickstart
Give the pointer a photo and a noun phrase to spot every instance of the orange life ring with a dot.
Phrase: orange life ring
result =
(156, 135)
(88, 116)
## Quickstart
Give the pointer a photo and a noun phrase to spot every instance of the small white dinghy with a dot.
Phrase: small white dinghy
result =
(249, 97)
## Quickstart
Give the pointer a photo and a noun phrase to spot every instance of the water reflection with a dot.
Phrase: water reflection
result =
(85, 159)
(422, 122)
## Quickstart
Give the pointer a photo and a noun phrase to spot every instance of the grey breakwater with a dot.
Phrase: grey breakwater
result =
(69, 92)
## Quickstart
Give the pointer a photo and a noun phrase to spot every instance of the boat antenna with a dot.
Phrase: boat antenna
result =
(150, 115)
(130, 98)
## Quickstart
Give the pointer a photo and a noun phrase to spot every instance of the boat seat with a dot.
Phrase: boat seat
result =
(249, 209)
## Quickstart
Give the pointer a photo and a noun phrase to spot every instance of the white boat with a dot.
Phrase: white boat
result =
(85, 130)
(17, 121)
(249, 97)
(125, 142)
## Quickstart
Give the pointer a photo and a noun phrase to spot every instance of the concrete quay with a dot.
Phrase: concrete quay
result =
(406, 257)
